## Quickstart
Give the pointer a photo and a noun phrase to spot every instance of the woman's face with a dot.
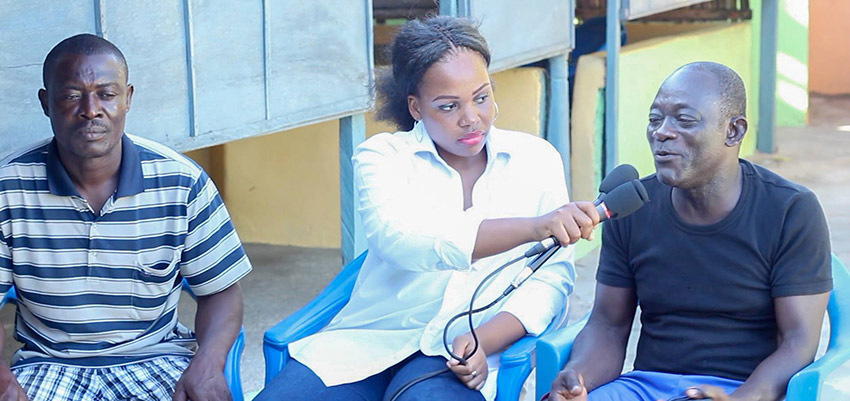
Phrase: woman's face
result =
(455, 103)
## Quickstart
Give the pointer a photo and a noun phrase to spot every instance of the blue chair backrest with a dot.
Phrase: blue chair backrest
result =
(839, 305)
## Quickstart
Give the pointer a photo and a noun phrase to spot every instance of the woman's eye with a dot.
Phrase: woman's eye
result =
(482, 98)
(447, 107)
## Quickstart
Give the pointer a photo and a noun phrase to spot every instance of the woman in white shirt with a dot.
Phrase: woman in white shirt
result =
(443, 203)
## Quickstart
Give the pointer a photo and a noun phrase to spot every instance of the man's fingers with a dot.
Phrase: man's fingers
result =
(704, 392)
(11, 394)
(180, 393)
(568, 384)
(575, 383)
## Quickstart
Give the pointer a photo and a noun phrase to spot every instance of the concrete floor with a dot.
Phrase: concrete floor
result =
(286, 278)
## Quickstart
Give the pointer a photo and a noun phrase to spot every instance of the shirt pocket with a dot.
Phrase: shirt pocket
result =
(155, 276)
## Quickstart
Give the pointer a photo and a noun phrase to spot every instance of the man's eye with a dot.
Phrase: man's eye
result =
(71, 97)
(108, 95)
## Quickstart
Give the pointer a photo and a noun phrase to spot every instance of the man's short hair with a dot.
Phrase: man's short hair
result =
(730, 87)
(84, 44)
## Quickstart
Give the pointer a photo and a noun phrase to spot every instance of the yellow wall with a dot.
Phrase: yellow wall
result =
(829, 47)
(283, 188)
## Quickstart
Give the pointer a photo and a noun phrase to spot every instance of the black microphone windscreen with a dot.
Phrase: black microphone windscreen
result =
(618, 176)
(626, 199)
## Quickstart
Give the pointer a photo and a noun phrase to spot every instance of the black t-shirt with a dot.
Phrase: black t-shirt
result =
(706, 292)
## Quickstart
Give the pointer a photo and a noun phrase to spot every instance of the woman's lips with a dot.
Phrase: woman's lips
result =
(472, 138)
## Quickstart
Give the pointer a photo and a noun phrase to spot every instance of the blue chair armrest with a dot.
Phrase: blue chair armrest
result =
(309, 319)
(515, 364)
(10, 297)
(553, 352)
(806, 384)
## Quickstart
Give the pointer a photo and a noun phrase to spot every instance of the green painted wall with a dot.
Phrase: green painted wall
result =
(792, 60)
(645, 65)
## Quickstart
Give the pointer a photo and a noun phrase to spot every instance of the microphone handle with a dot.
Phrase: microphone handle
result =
(547, 243)
(604, 212)
(541, 246)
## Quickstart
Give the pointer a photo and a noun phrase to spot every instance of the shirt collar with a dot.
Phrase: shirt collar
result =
(131, 180)
(495, 146)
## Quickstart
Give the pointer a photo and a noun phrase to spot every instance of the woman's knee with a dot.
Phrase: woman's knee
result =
(295, 382)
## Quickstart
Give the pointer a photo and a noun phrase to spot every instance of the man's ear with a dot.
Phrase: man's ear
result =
(735, 131)
(42, 98)
(130, 90)
(413, 107)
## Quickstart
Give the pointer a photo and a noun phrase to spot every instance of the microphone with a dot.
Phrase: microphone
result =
(618, 176)
(620, 202)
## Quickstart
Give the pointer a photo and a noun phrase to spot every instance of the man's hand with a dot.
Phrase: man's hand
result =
(708, 392)
(203, 380)
(704, 393)
(568, 385)
(10, 389)
(474, 373)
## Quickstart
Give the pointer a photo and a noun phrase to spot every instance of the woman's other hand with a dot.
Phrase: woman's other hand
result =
(474, 373)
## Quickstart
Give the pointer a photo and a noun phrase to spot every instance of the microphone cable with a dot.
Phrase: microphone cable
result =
(539, 260)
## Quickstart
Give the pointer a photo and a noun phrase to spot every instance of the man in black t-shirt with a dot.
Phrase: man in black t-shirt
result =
(730, 264)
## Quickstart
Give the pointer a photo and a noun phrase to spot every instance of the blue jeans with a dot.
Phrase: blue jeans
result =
(639, 385)
(297, 382)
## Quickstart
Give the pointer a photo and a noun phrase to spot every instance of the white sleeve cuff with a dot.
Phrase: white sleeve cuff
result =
(535, 304)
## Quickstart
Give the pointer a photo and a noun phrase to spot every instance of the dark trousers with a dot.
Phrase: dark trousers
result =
(297, 382)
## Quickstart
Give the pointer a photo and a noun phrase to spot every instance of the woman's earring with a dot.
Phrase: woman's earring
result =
(497, 111)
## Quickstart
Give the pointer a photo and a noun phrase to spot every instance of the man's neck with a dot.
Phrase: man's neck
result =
(96, 179)
(713, 201)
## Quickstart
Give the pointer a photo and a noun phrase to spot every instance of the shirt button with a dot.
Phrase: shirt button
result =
(94, 254)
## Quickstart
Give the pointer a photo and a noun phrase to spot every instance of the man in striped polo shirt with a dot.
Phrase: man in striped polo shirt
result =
(97, 231)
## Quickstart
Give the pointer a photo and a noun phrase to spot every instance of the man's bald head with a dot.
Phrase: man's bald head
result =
(83, 44)
(731, 91)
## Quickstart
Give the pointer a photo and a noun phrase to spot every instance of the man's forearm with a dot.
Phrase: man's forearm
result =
(217, 323)
(770, 379)
(598, 354)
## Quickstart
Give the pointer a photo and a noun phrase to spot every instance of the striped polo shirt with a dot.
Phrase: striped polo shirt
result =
(100, 289)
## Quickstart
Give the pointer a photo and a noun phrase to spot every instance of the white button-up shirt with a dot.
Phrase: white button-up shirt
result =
(419, 270)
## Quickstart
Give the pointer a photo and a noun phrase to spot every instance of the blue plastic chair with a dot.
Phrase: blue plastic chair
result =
(515, 364)
(232, 372)
(553, 350)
